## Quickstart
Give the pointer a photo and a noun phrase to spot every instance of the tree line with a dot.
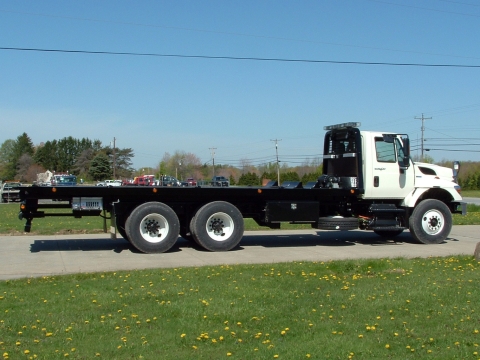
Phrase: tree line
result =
(21, 160)
(91, 161)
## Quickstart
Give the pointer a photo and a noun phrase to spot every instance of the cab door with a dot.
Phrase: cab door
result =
(389, 177)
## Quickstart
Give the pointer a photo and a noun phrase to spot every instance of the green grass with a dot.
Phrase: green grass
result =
(10, 224)
(358, 309)
(471, 193)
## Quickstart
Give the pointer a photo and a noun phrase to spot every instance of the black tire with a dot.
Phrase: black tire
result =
(388, 233)
(217, 226)
(152, 227)
(337, 223)
(430, 222)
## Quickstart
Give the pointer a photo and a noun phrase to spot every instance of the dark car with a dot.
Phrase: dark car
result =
(220, 181)
(166, 180)
(64, 180)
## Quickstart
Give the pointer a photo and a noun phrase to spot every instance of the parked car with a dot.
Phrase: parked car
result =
(191, 182)
(109, 183)
(64, 180)
(167, 180)
(144, 180)
(10, 191)
(113, 182)
(220, 181)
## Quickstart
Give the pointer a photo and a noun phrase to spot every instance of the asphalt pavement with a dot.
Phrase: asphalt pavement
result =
(472, 200)
(36, 256)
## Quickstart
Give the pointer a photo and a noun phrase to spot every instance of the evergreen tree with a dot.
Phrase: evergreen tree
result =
(249, 179)
(46, 155)
(22, 146)
(6, 154)
(100, 167)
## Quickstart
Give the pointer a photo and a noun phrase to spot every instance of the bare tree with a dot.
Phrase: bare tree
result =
(23, 164)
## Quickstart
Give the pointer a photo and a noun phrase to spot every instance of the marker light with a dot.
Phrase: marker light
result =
(342, 126)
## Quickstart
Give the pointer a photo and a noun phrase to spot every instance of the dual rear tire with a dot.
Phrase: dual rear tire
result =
(154, 227)
(217, 226)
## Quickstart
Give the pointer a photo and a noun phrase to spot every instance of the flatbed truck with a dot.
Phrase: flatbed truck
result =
(369, 182)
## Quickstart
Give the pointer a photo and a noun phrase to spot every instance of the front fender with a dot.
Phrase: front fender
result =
(443, 194)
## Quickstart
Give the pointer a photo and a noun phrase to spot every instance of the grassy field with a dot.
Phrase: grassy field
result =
(11, 225)
(390, 308)
(356, 309)
(471, 193)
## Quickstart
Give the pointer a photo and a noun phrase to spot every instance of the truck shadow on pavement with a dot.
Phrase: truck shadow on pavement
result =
(117, 245)
(327, 239)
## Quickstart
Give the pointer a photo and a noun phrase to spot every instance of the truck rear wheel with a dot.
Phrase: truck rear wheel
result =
(152, 227)
(217, 226)
(430, 222)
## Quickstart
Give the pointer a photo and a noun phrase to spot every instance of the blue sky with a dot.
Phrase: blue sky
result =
(158, 104)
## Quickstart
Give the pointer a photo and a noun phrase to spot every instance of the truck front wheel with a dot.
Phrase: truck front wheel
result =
(152, 227)
(217, 226)
(430, 222)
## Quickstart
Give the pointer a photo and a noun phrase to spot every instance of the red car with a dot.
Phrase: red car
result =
(191, 182)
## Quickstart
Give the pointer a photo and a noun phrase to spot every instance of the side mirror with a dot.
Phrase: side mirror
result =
(456, 169)
(406, 153)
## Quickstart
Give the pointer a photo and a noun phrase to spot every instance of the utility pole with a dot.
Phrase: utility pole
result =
(212, 150)
(423, 128)
(114, 165)
(278, 165)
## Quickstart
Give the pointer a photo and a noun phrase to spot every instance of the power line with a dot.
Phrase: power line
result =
(210, 57)
(459, 150)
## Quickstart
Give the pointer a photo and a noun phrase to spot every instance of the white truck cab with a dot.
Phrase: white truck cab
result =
(395, 192)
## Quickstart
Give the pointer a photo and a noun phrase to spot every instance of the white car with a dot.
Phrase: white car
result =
(113, 182)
